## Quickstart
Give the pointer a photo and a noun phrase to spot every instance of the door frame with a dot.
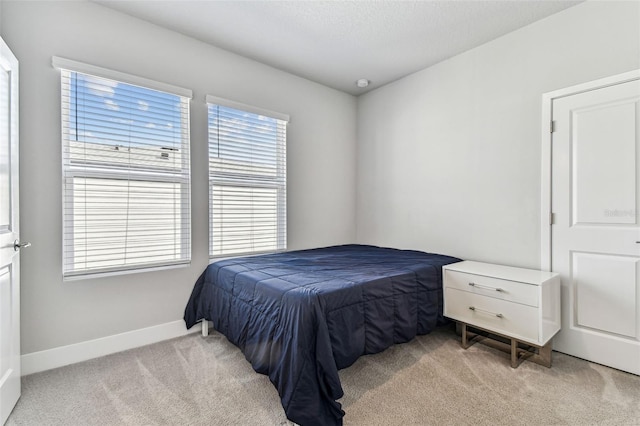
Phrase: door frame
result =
(11, 387)
(547, 160)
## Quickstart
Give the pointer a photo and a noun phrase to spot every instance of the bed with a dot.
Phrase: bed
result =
(301, 316)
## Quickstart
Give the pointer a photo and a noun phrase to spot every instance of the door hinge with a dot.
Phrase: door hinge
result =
(552, 126)
(552, 218)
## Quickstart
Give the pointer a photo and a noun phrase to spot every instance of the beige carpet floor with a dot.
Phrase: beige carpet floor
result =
(429, 381)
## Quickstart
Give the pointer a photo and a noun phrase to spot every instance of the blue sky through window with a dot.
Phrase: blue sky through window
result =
(114, 113)
(242, 136)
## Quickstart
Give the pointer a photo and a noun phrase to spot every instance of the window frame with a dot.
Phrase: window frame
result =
(180, 176)
(278, 182)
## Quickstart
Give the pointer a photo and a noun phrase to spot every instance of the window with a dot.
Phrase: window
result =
(126, 178)
(247, 179)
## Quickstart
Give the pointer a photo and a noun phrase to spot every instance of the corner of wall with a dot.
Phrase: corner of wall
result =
(1, 33)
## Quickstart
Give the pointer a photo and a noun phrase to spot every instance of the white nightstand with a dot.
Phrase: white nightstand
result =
(519, 305)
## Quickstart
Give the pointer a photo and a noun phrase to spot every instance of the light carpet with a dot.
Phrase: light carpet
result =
(429, 381)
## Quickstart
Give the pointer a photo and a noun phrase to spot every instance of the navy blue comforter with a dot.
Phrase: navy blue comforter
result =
(300, 316)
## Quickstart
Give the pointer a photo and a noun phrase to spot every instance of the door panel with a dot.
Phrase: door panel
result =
(6, 328)
(9, 226)
(5, 153)
(595, 184)
(605, 292)
(593, 159)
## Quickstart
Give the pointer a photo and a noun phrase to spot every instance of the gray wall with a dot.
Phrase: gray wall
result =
(449, 157)
(321, 158)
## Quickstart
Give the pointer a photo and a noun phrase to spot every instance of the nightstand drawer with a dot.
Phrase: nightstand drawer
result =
(492, 287)
(512, 319)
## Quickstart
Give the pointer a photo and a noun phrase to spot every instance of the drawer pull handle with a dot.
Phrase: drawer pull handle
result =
(473, 308)
(486, 287)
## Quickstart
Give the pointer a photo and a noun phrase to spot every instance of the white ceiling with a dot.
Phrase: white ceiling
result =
(337, 42)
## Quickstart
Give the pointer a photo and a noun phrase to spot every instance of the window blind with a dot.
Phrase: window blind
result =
(247, 180)
(126, 176)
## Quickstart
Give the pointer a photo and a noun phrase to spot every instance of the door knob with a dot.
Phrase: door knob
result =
(17, 245)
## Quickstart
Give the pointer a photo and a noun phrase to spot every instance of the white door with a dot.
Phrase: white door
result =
(9, 235)
(596, 236)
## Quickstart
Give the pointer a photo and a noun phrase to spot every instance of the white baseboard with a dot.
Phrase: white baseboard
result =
(64, 355)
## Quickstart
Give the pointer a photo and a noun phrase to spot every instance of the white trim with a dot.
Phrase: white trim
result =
(113, 272)
(547, 114)
(210, 99)
(68, 64)
(595, 84)
(545, 193)
(64, 355)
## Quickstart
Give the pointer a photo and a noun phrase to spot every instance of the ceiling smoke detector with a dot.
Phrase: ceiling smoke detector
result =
(363, 82)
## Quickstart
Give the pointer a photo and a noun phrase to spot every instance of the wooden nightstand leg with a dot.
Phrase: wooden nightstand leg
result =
(468, 338)
(539, 354)
(465, 344)
(544, 355)
(514, 353)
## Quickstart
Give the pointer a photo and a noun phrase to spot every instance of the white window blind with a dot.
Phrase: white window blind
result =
(247, 179)
(126, 176)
